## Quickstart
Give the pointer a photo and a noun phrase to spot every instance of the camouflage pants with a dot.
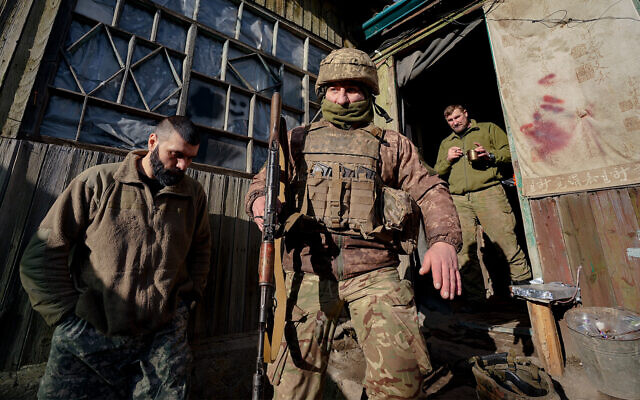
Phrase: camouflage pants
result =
(85, 364)
(385, 320)
(491, 209)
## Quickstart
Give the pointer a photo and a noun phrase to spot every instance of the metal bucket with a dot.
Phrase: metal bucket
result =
(608, 343)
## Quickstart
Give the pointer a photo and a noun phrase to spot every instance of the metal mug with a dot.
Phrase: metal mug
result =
(472, 155)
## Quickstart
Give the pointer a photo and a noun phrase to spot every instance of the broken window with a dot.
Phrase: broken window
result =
(261, 117)
(256, 31)
(316, 55)
(292, 89)
(207, 56)
(171, 34)
(290, 48)
(208, 103)
(259, 158)
(223, 152)
(100, 10)
(125, 64)
(184, 7)
(109, 127)
(136, 20)
(220, 15)
(312, 91)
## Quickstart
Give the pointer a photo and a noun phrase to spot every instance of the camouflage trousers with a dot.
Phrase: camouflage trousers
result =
(491, 209)
(386, 323)
(85, 364)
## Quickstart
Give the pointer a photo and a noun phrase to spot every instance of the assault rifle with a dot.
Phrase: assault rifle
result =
(267, 249)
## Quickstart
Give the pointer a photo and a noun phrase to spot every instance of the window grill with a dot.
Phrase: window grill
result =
(125, 63)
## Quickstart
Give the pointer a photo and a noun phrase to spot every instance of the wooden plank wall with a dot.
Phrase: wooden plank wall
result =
(31, 177)
(601, 232)
(324, 18)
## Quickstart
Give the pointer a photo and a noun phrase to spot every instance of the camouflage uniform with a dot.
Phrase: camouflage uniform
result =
(331, 269)
(385, 320)
(85, 364)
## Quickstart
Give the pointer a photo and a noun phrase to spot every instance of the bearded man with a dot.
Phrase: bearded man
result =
(341, 243)
(115, 266)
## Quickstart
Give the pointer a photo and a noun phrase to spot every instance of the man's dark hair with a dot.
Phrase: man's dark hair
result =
(449, 110)
(181, 125)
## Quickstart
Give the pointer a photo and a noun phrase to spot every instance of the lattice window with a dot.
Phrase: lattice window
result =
(126, 62)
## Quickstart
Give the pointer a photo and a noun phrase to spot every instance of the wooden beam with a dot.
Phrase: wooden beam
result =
(186, 69)
(11, 34)
(42, 29)
(545, 337)
(388, 98)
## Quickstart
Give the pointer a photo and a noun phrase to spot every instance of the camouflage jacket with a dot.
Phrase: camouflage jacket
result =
(343, 256)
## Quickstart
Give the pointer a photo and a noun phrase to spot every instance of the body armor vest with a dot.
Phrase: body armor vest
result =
(338, 181)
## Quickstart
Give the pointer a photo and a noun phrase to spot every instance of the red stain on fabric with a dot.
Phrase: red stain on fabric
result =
(552, 108)
(552, 99)
(547, 80)
(548, 136)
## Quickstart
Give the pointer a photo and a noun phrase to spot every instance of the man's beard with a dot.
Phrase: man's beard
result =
(165, 176)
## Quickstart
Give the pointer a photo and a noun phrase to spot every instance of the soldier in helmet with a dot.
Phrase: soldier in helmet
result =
(348, 186)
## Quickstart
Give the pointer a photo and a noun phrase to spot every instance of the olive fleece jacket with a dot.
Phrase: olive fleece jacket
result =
(400, 167)
(465, 177)
(117, 255)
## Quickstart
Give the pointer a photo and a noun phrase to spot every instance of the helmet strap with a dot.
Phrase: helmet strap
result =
(382, 112)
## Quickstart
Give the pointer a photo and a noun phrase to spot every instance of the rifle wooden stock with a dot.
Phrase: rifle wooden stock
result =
(267, 249)
(265, 269)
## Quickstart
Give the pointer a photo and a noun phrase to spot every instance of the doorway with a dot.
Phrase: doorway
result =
(464, 75)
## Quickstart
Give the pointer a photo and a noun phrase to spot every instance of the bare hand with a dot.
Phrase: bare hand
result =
(441, 259)
(482, 152)
(454, 153)
(258, 210)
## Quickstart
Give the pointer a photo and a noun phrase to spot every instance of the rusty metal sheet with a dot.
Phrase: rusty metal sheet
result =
(570, 85)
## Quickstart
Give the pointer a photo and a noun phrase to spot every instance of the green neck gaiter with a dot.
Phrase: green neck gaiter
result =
(358, 113)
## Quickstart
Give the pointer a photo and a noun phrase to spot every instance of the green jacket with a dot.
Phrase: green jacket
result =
(115, 254)
(465, 177)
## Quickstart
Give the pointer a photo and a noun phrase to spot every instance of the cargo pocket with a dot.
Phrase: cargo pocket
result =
(317, 193)
(361, 205)
(403, 319)
(403, 325)
(303, 346)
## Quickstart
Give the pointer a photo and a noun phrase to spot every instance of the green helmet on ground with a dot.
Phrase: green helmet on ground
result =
(348, 64)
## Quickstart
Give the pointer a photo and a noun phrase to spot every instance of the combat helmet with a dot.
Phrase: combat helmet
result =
(348, 64)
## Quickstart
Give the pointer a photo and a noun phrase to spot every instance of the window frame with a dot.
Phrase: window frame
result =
(193, 28)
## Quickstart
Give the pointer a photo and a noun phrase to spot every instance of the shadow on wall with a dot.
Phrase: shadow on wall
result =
(27, 189)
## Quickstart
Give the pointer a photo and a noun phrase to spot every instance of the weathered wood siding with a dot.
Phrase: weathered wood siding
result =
(599, 231)
(319, 17)
(31, 177)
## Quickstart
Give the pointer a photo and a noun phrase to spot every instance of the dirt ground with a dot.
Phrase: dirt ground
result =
(224, 366)
(454, 336)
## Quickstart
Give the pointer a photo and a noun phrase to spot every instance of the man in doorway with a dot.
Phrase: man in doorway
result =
(116, 265)
(336, 252)
(479, 196)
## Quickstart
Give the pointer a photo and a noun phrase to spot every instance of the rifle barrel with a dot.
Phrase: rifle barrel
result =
(267, 248)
